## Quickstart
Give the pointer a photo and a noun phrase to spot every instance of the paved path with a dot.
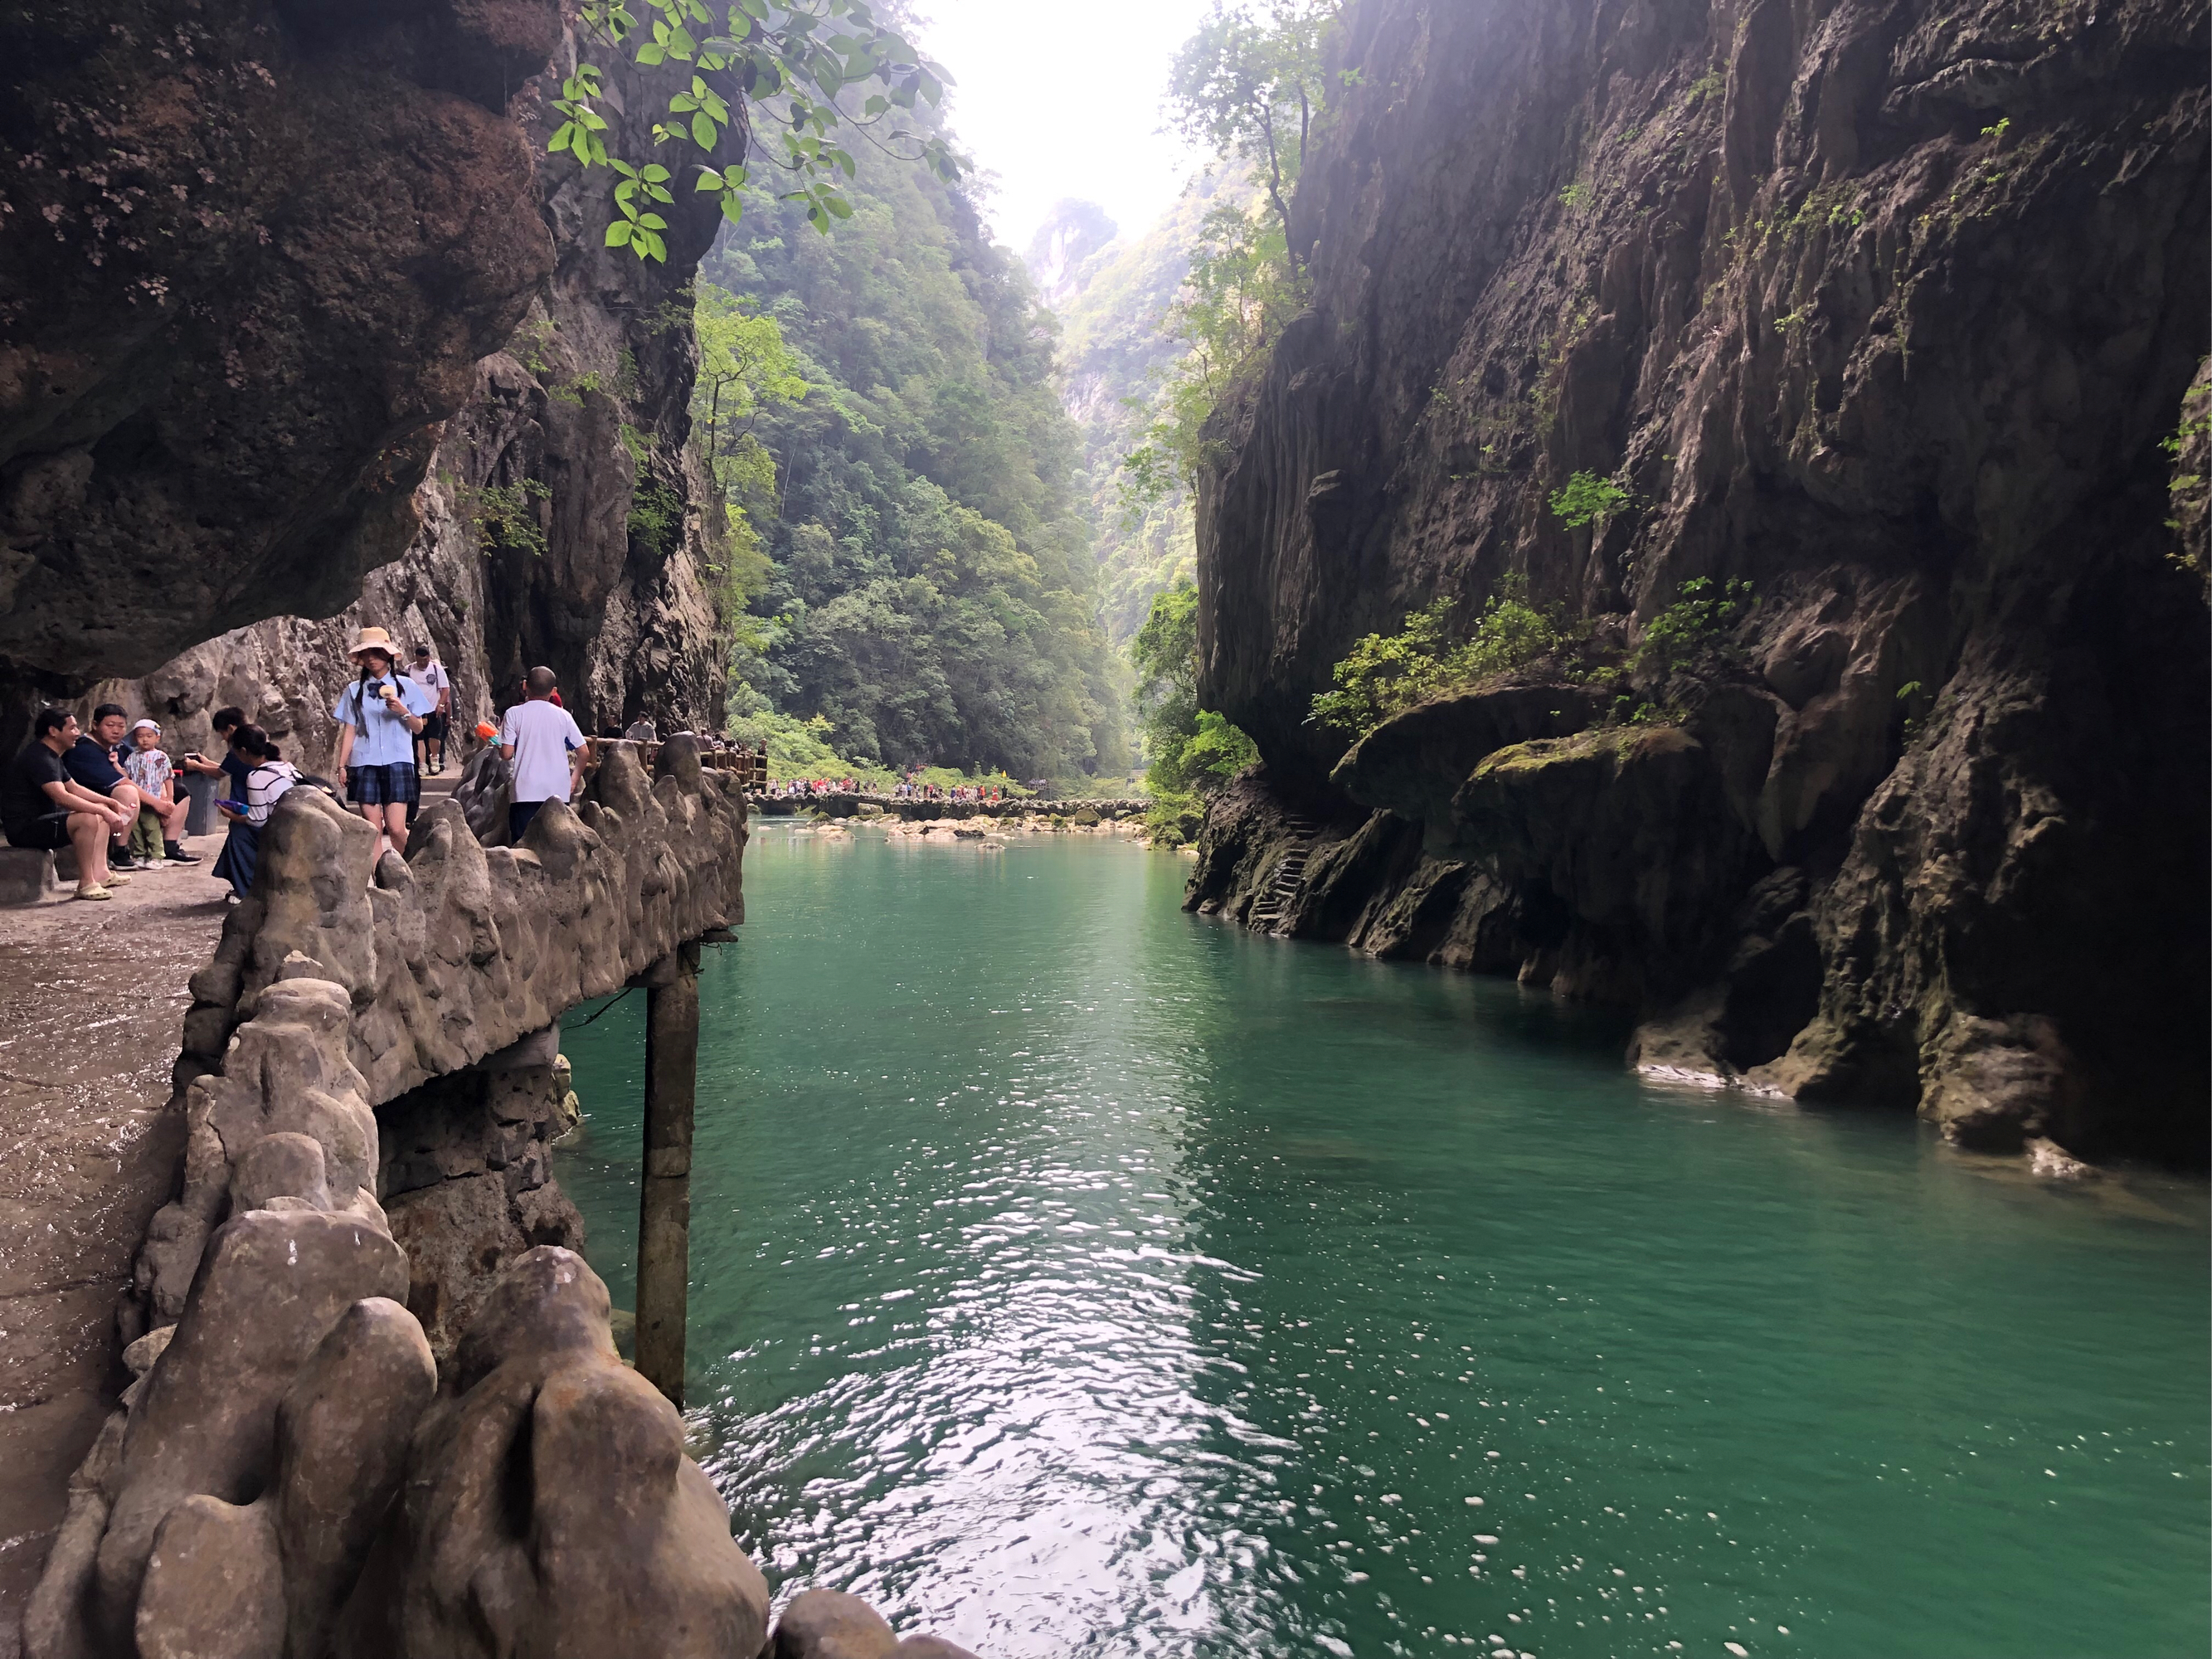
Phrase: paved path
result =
(94, 998)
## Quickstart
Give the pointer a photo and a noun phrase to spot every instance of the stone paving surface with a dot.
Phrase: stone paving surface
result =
(94, 996)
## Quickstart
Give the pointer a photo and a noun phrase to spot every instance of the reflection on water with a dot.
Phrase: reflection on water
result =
(1075, 1276)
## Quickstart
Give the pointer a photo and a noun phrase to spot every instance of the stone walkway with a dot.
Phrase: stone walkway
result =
(94, 995)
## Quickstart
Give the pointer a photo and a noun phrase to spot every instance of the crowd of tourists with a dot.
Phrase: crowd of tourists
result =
(112, 795)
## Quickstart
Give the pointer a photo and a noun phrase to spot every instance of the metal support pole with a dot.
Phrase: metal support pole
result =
(664, 1218)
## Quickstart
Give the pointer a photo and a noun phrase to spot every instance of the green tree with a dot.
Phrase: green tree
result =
(1249, 89)
(745, 367)
(795, 69)
(1190, 751)
(1384, 675)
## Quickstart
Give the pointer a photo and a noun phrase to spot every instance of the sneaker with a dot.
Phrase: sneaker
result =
(95, 892)
(175, 854)
(119, 858)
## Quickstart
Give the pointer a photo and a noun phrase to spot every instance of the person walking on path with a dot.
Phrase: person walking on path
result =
(377, 716)
(543, 745)
(42, 807)
(430, 674)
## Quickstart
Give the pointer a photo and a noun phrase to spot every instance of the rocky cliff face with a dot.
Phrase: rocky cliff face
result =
(1890, 310)
(320, 319)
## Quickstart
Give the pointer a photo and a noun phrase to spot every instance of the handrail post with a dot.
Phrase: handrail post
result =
(664, 1221)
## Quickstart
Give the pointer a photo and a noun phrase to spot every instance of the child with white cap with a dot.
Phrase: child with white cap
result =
(160, 814)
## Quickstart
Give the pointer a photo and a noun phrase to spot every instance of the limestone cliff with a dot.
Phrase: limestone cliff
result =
(319, 319)
(1888, 310)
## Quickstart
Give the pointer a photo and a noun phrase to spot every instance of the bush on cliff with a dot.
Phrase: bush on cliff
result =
(1386, 674)
(1693, 632)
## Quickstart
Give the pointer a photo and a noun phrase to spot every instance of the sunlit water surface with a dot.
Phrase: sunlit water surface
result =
(1072, 1276)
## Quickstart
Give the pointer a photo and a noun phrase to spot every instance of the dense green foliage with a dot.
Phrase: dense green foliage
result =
(797, 67)
(1585, 498)
(1386, 674)
(746, 368)
(929, 591)
(1693, 631)
(1192, 750)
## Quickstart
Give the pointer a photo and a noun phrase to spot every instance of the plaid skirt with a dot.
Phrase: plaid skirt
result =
(395, 785)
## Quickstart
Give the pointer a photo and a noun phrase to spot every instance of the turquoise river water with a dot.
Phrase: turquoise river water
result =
(1074, 1276)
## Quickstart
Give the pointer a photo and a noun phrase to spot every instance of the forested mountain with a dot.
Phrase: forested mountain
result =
(930, 587)
(1117, 342)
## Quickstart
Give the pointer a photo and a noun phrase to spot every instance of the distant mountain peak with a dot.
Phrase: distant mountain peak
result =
(1071, 234)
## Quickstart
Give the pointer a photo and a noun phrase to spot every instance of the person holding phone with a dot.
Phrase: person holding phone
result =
(378, 718)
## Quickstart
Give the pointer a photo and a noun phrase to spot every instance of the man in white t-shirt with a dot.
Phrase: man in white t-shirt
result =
(430, 674)
(545, 750)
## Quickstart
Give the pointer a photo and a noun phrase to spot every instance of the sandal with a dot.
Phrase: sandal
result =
(93, 893)
(115, 879)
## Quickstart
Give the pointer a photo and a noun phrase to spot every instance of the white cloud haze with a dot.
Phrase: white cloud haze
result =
(1062, 98)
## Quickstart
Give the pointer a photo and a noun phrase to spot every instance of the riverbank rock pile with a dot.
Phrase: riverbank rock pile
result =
(231, 1505)
(1895, 318)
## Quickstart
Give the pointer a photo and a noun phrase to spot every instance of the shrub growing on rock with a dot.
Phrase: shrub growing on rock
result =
(1385, 675)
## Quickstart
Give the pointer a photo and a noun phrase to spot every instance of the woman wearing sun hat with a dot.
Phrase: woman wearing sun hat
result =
(378, 717)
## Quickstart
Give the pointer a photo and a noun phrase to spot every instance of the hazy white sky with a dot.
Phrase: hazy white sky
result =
(1062, 98)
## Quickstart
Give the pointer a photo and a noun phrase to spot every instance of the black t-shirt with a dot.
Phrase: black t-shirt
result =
(23, 796)
(91, 765)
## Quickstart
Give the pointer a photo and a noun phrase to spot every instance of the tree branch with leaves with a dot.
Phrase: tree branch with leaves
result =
(789, 70)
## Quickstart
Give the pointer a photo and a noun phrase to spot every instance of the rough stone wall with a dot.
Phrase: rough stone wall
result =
(1886, 309)
(252, 255)
(300, 422)
(284, 1419)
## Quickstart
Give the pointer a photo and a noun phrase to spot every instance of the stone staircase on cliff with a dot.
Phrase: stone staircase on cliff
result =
(1267, 911)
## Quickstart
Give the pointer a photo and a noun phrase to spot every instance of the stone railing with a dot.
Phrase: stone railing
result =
(292, 1474)
(380, 1414)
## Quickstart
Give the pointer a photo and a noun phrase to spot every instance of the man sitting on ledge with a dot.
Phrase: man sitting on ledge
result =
(545, 747)
(91, 763)
(42, 807)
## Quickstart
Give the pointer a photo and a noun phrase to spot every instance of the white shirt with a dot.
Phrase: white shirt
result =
(265, 785)
(379, 736)
(433, 675)
(543, 738)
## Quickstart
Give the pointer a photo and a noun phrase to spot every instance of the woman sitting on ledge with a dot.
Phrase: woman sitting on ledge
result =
(268, 776)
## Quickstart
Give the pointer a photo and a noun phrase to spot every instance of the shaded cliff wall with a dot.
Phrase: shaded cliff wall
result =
(487, 446)
(1884, 308)
(252, 255)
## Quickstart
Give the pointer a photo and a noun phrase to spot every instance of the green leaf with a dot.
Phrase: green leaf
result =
(703, 131)
(652, 221)
(651, 55)
(618, 233)
(654, 174)
(709, 179)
